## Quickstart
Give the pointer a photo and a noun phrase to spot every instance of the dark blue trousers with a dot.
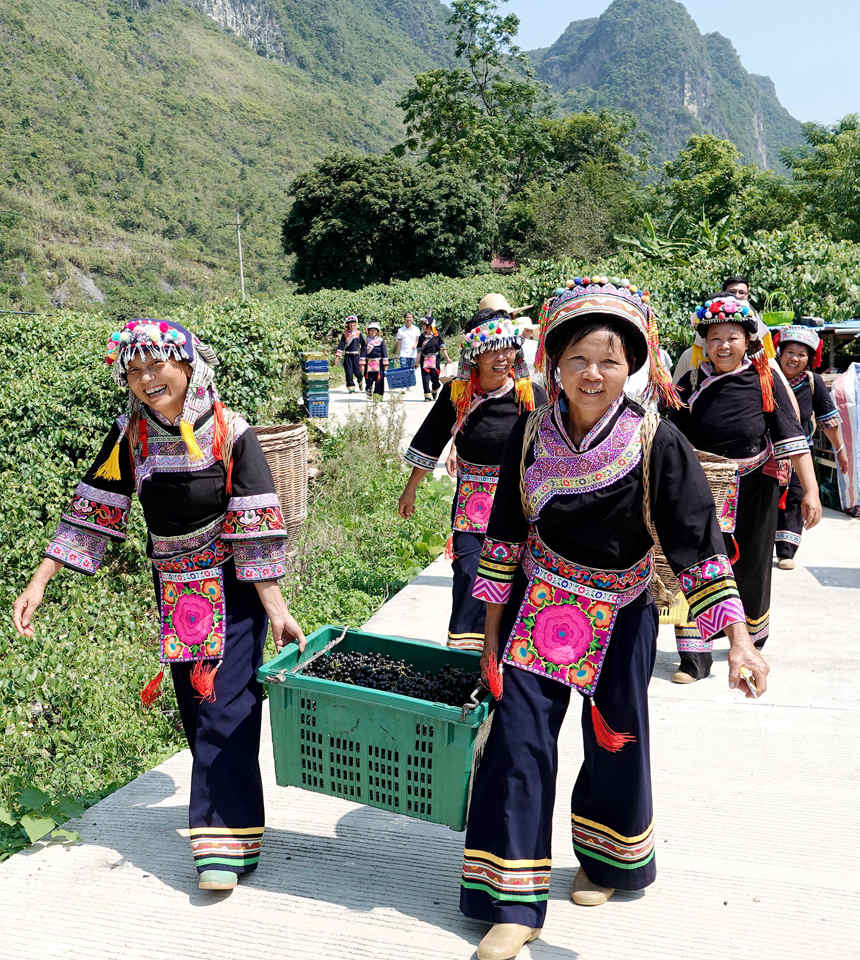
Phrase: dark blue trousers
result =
(508, 855)
(466, 626)
(352, 368)
(226, 813)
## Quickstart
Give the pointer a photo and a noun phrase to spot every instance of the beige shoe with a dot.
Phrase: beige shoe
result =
(786, 564)
(588, 894)
(505, 940)
(680, 677)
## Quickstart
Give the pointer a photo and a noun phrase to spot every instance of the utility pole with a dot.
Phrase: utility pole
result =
(241, 264)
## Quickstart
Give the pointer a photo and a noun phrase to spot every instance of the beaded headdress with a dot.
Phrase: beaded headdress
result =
(491, 328)
(585, 297)
(164, 340)
(805, 335)
(726, 308)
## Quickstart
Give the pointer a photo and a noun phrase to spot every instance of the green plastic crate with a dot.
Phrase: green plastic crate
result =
(381, 749)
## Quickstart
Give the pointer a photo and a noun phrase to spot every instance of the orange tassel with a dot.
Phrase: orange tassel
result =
(219, 430)
(152, 691)
(449, 548)
(661, 382)
(605, 736)
(464, 399)
(765, 377)
(733, 559)
(524, 393)
(203, 680)
(782, 499)
(494, 678)
(230, 478)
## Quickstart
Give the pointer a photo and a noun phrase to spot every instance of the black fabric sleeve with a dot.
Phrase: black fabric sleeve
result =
(786, 433)
(433, 435)
(251, 474)
(822, 405)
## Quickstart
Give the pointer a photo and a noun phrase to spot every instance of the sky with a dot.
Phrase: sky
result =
(811, 50)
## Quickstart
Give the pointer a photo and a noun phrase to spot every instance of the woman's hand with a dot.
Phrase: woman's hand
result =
(842, 462)
(742, 653)
(810, 508)
(491, 669)
(30, 598)
(26, 605)
(285, 628)
(451, 463)
(406, 504)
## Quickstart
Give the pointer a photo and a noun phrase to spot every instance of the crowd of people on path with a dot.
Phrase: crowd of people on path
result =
(571, 471)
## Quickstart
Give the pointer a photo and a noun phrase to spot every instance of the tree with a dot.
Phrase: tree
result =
(707, 180)
(486, 114)
(361, 219)
(828, 177)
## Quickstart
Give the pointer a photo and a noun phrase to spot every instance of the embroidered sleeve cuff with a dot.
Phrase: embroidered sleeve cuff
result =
(249, 518)
(491, 591)
(496, 568)
(99, 510)
(260, 559)
(418, 459)
(783, 449)
(830, 419)
(712, 594)
(76, 548)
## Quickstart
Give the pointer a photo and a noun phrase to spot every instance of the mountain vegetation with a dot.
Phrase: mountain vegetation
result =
(648, 57)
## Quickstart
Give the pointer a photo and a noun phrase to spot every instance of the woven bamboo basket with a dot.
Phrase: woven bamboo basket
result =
(286, 449)
(720, 474)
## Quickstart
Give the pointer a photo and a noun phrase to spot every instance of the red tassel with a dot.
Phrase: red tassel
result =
(144, 438)
(765, 377)
(494, 678)
(605, 736)
(733, 559)
(203, 680)
(152, 691)
(449, 548)
(783, 499)
(230, 478)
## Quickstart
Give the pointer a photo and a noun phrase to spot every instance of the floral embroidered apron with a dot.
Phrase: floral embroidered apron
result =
(429, 361)
(476, 488)
(565, 621)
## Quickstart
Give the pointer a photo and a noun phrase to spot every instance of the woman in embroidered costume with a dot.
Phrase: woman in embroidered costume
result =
(374, 362)
(430, 347)
(799, 350)
(565, 570)
(736, 408)
(216, 540)
(478, 409)
(350, 348)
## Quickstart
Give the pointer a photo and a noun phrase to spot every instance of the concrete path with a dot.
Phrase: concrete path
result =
(756, 816)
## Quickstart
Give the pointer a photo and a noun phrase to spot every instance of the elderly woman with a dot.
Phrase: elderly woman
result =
(478, 410)
(799, 352)
(565, 571)
(350, 349)
(216, 540)
(737, 408)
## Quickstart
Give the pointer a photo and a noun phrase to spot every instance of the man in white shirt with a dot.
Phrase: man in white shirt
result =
(407, 341)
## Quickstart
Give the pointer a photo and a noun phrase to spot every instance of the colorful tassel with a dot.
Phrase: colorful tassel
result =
(697, 358)
(203, 680)
(449, 548)
(230, 478)
(660, 383)
(152, 691)
(736, 555)
(110, 468)
(605, 736)
(191, 445)
(765, 376)
(783, 499)
(543, 319)
(494, 678)
(768, 345)
(219, 430)
(144, 437)
(525, 394)
(463, 403)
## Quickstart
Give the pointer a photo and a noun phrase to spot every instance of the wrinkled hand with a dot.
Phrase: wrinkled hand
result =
(745, 654)
(491, 669)
(810, 508)
(285, 629)
(406, 504)
(842, 462)
(25, 606)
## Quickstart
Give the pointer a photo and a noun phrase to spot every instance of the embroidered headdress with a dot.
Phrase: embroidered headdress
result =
(493, 327)
(164, 340)
(725, 308)
(805, 335)
(587, 297)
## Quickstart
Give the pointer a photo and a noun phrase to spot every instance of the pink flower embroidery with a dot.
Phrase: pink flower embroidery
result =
(478, 508)
(192, 618)
(562, 634)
